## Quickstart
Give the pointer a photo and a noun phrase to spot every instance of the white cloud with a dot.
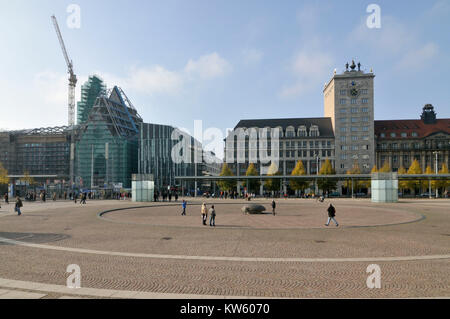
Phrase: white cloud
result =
(396, 41)
(208, 66)
(154, 80)
(252, 56)
(419, 58)
(309, 67)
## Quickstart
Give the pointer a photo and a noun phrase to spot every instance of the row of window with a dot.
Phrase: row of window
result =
(355, 147)
(403, 134)
(353, 129)
(353, 101)
(343, 139)
(354, 110)
(354, 119)
(346, 156)
(363, 91)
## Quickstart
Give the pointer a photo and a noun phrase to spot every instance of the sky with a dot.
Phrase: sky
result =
(221, 61)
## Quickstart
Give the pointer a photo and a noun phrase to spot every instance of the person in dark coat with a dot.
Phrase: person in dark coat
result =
(18, 205)
(331, 215)
(212, 220)
(273, 207)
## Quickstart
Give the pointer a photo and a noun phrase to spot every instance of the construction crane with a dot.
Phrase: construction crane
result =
(72, 86)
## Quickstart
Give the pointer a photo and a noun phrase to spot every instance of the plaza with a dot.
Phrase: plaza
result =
(148, 250)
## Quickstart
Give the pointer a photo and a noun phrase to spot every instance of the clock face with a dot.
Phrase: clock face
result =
(354, 92)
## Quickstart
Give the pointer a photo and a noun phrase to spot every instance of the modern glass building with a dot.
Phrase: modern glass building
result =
(90, 90)
(107, 149)
(155, 158)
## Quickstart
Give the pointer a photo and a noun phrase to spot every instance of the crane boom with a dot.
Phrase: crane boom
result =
(63, 47)
(71, 98)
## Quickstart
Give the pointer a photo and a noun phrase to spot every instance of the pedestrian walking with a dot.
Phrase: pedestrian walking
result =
(204, 213)
(212, 220)
(274, 205)
(18, 205)
(183, 206)
(6, 198)
(331, 215)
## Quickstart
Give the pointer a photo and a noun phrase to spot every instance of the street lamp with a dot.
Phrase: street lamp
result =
(317, 172)
(436, 170)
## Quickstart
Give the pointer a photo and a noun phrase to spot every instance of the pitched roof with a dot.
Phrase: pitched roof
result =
(409, 126)
(324, 124)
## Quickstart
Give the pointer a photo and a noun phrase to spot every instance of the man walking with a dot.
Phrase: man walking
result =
(331, 215)
(18, 205)
(212, 220)
(274, 205)
(183, 205)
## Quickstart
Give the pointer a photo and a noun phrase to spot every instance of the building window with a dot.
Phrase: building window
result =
(343, 139)
(342, 165)
(365, 101)
(382, 135)
(354, 147)
(343, 111)
(343, 92)
(343, 129)
(365, 109)
(355, 120)
(365, 119)
(353, 101)
(354, 138)
(365, 157)
(311, 144)
(354, 110)
(354, 129)
(395, 146)
(343, 156)
(365, 137)
(364, 91)
(344, 147)
(342, 101)
(414, 134)
(404, 134)
(343, 120)
(393, 134)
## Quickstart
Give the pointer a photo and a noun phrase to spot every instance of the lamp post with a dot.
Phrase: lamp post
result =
(317, 172)
(436, 153)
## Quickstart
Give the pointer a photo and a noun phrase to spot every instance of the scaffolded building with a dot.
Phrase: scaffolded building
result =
(90, 90)
(106, 151)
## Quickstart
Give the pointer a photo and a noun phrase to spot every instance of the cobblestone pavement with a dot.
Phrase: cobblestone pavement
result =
(153, 252)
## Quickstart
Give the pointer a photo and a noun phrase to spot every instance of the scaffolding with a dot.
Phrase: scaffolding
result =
(90, 90)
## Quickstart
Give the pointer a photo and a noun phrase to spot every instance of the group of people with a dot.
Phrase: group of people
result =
(212, 213)
(157, 196)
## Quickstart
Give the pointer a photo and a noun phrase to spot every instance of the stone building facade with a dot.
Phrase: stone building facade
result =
(400, 142)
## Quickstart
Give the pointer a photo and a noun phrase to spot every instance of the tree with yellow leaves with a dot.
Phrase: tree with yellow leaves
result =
(414, 169)
(402, 184)
(298, 184)
(253, 183)
(386, 168)
(4, 178)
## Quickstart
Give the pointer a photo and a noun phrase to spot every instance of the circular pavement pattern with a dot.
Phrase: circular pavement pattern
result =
(156, 252)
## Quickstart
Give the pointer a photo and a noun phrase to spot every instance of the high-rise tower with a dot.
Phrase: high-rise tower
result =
(349, 102)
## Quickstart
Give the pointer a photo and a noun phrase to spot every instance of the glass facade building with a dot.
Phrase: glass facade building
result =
(107, 149)
(90, 90)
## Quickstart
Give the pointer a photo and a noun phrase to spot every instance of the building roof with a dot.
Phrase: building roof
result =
(324, 124)
(410, 126)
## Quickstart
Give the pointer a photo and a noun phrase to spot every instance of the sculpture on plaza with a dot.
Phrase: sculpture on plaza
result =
(253, 209)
